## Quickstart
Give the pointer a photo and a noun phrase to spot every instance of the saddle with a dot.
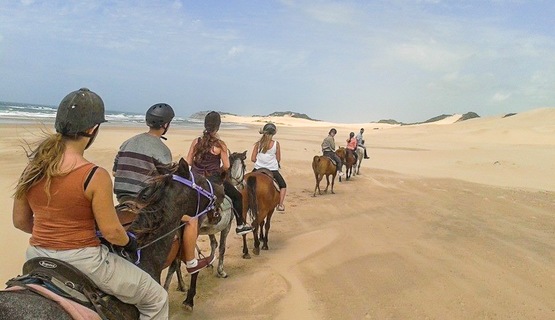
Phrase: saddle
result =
(67, 281)
(269, 174)
(331, 160)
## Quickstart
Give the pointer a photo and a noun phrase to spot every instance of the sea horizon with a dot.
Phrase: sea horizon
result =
(21, 113)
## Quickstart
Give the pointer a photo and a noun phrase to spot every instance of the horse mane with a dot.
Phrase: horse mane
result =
(151, 198)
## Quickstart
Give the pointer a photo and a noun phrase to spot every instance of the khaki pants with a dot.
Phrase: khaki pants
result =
(116, 276)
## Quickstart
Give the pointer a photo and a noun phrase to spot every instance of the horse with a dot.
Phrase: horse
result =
(163, 202)
(323, 167)
(260, 198)
(360, 156)
(350, 161)
(207, 228)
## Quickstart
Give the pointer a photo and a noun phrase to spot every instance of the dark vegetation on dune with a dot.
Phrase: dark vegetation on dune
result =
(292, 114)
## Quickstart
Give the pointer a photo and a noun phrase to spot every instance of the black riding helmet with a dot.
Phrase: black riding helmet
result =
(80, 110)
(158, 115)
(269, 128)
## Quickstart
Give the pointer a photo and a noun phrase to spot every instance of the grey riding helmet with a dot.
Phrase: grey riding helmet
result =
(269, 128)
(158, 115)
(80, 110)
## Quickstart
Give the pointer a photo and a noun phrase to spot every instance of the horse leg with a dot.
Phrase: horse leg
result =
(328, 184)
(246, 254)
(223, 238)
(267, 228)
(332, 182)
(180, 280)
(175, 267)
(320, 176)
(317, 186)
(188, 303)
(256, 249)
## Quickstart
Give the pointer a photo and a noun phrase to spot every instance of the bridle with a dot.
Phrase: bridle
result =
(238, 180)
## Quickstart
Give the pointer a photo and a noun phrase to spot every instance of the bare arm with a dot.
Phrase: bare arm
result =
(278, 152)
(254, 152)
(22, 215)
(191, 152)
(99, 192)
(224, 156)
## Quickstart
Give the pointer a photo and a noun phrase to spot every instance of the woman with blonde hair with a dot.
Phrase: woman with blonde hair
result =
(61, 197)
(266, 153)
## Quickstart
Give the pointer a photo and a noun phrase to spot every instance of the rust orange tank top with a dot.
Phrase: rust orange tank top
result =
(66, 221)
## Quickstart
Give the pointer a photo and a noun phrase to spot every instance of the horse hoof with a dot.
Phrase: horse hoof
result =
(221, 275)
(256, 251)
(246, 256)
(187, 307)
(265, 248)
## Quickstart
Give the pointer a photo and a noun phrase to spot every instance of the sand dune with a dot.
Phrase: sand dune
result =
(449, 221)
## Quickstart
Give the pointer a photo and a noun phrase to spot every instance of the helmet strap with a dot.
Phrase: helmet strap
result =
(91, 136)
(166, 126)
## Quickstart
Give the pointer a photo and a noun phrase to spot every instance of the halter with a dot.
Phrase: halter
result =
(200, 191)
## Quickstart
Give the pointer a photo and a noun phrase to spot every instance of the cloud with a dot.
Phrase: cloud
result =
(500, 96)
(236, 50)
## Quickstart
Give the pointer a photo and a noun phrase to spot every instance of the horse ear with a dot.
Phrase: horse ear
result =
(244, 154)
(183, 169)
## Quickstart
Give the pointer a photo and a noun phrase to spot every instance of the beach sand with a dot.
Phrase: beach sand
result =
(450, 221)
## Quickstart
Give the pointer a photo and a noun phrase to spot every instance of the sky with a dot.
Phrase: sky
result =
(341, 61)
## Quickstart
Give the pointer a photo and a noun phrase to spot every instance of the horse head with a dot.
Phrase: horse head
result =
(341, 153)
(170, 195)
(237, 167)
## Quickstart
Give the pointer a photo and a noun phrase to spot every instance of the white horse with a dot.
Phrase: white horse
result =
(360, 156)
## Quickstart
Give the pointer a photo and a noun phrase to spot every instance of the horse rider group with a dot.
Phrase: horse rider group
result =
(328, 147)
(62, 198)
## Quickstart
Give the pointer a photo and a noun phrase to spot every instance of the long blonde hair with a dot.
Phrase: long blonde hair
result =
(264, 142)
(44, 163)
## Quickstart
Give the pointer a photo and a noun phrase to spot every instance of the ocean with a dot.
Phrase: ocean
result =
(13, 112)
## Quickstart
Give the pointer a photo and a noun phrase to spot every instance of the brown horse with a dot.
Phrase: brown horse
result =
(322, 166)
(350, 163)
(260, 198)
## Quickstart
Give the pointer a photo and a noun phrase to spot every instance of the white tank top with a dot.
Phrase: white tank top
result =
(267, 160)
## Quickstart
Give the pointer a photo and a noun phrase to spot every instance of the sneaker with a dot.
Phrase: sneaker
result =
(201, 264)
(243, 229)
(280, 207)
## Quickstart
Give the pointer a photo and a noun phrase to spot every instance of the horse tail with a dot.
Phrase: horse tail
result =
(315, 162)
(253, 205)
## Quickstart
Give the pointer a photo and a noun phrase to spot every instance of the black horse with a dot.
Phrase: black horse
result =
(164, 201)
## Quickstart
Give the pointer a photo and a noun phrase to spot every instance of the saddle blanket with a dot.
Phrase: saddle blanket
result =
(74, 309)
